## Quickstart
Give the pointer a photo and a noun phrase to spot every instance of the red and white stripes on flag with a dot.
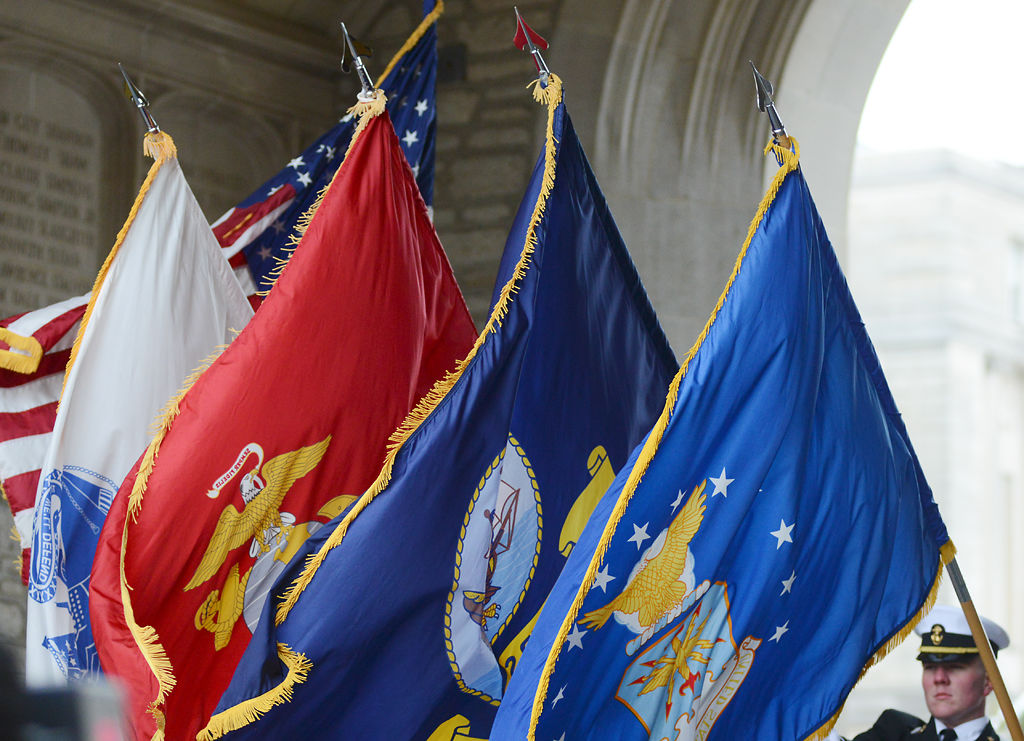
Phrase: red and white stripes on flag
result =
(28, 403)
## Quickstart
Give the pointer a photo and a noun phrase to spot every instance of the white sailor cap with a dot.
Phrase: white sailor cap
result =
(946, 635)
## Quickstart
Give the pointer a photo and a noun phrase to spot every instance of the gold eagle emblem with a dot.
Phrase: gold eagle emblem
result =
(222, 608)
(262, 508)
(657, 589)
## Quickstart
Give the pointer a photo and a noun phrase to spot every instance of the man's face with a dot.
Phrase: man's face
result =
(955, 691)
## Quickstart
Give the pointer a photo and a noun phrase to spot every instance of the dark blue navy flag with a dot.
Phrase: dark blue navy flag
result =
(256, 234)
(772, 537)
(413, 610)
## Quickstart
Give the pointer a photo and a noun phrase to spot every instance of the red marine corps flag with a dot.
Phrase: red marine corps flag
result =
(286, 428)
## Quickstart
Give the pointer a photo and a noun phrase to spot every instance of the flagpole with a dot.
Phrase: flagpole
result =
(366, 94)
(140, 101)
(766, 104)
(528, 44)
(985, 649)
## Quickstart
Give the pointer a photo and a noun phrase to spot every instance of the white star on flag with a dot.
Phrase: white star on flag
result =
(559, 696)
(274, 190)
(416, 170)
(721, 484)
(346, 118)
(410, 138)
(330, 154)
(297, 162)
(787, 584)
(779, 631)
(783, 534)
(305, 179)
(264, 252)
(639, 535)
(575, 639)
(421, 107)
(278, 227)
(678, 501)
(601, 579)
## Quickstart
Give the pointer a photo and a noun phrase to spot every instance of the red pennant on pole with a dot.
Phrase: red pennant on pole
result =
(523, 31)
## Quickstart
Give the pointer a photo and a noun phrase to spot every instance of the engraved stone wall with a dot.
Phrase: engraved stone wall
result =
(49, 192)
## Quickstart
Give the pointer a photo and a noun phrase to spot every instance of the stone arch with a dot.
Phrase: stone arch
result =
(825, 78)
(673, 133)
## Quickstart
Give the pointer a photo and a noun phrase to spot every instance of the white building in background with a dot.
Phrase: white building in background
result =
(936, 264)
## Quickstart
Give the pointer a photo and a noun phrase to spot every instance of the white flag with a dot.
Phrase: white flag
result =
(165, 300)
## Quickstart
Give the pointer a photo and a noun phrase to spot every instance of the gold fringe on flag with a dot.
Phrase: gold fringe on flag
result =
(251, 710)
(26, 361)
(159, 146)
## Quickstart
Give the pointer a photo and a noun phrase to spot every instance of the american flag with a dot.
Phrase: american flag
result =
(254, 234)
(255, 237)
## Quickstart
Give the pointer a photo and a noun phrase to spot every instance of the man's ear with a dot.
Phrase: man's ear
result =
(987, 688)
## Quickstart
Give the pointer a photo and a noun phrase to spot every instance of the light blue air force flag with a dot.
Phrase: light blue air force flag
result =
(771, 537)
(417, 614)
(166, 300)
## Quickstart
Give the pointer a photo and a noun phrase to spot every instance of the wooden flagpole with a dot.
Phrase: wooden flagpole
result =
(985, 650)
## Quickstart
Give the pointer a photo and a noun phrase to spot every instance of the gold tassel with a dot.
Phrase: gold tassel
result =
(426, 406)
(19, 362)
(251, 710)
(159, 146)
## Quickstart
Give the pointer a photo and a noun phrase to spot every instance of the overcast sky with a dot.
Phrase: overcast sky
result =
(952, 77)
